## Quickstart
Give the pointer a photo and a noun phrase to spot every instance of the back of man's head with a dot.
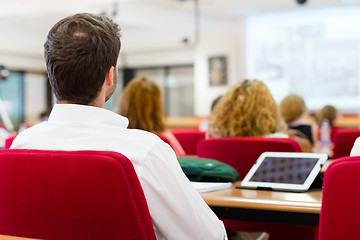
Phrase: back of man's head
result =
(79, 51)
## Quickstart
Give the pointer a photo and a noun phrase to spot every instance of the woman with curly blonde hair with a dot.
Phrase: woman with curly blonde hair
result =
(141, 103)
(247, 109)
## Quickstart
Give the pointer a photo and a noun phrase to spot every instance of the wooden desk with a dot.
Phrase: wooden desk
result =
(266, 206)
(6, 237)
(348, 121)
(326, 165)
(184, 122)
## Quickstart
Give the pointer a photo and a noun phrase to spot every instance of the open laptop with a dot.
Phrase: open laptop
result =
(284, 171)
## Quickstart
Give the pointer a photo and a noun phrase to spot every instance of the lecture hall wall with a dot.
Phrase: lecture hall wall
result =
(230, 45)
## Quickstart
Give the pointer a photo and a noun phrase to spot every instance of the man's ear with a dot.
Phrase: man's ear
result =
(109, 78)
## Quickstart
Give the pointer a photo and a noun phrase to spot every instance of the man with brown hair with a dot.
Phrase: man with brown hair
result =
(81, 53)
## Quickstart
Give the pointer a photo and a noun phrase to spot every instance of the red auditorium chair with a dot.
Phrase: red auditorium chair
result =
(79, 195)
(344, 141)
(339, 217)
(189, 138)
(333, 132)
(9, 140)
(242, 152)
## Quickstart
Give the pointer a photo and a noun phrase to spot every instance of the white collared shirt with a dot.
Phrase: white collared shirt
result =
(176, 209)
(355, 150)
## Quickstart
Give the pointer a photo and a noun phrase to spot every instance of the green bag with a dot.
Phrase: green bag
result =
(207, 170)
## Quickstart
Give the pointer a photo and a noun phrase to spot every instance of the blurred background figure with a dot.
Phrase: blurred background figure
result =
(295, 113)
(204, 125)
(327, 113)
(141, 104)
(246, 110)
(249, 110)
(215, 101)
(44, 116)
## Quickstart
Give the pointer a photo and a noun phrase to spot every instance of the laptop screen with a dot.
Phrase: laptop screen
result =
(284, 170)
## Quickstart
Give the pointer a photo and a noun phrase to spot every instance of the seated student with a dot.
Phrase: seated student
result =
(141, 104)
(294, 112)
(248, 110)
(81, 53)
(204, 125)
(330, 113)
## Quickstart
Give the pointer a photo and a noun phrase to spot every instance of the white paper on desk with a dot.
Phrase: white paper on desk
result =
(203, 187)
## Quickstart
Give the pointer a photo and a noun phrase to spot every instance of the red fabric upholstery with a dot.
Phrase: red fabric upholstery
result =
(9, 140)
(339, 217)
(71, 195)
(164, 138)
(344, 141)
(333, 132)
(189, 138)
(242, 152)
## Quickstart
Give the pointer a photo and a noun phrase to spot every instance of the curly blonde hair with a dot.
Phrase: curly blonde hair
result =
(247, 109)
(292, 107)
(141, 104)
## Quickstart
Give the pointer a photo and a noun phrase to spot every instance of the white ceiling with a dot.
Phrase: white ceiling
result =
(145, 24)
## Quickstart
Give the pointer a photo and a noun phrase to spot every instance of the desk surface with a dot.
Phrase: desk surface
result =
(308, 202)
(194, 122)
(326, 165)
(6, 237)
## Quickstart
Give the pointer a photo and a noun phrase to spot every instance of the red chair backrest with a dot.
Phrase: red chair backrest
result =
(10, 140)
(344, 141)
(340, 211)
(242, 152)
(164, 138)
(189, 138)
(333, 132)
(71, 195)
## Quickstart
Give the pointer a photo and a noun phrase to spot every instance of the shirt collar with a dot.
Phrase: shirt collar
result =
(75, 113)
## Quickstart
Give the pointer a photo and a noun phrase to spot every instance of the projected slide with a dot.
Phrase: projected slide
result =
(314, 53)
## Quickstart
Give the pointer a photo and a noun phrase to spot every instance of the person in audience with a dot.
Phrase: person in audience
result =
(215, 101)
(294, 112)
(44, 116)
(249, 110)
(81, 53)
(204, 125)
(330, 113)
(141, 103)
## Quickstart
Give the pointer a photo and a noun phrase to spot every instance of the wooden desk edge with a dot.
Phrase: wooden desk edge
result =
(225, 198)
(6, 237)
(270, 205)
